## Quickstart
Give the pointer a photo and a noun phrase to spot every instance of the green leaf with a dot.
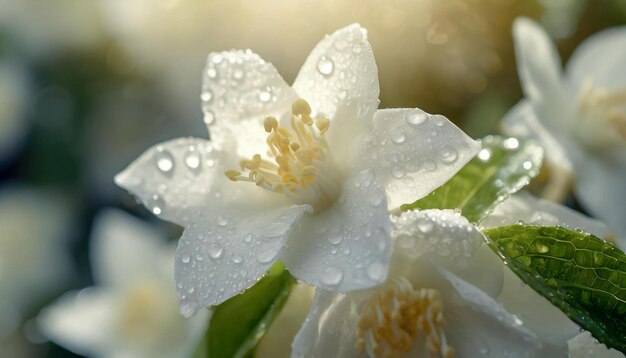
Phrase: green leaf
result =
(237, 325)
(581, 274)
(502, 167)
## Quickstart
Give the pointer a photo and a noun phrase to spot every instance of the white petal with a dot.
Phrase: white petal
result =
(442, 235)
(329, 329)
(539, 69)
(181, 178)
(123, 249)
(602, 190)
(81, 321)
(346, 246)
(226, 252)
(479, 326)
(239, 89)
(537, 313)
(534, 211)
(600, 57)
(415, 152)
(340, 81)
(585, 346)
(522, 122)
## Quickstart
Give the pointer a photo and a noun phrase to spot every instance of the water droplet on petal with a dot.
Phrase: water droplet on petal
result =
(416, 117)
(207, 95)
(425, 226)
(211, 72)
(377, 198)
(265, 95)
(164, 160)
(156, 204)
(266, 255)
(398, 136)
(185, 259)
(325, 66)
(222, 221)
(398, 172)
(332, 276)
(248, 238)
(376, 271)
(448, 154)
(238, 74)
(237, 259)
(209, 117)
(439, 121)
(216, 252)
(193, 159)
(335, 239)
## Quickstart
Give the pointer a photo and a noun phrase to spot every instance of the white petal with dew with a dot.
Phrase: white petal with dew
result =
(522, 122)
(601, 188)
(340, 81)
(441, 234)
(81, 321)
(585, 346)
(539, 69)
(240, 89)
(346, 246)
(551, 325)
(600, 57)
(329, 329)
(224, 253)
(183, 178)
(478, 326)
(124, 250)
(414, 152)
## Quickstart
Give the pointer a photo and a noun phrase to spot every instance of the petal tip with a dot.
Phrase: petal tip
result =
(187, 309)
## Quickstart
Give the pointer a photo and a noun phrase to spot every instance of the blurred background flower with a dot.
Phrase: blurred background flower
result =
(86, 86)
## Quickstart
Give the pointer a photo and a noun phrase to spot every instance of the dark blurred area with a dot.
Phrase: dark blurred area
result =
(85, 87)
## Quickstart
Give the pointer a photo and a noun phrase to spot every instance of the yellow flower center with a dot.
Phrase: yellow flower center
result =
(302, 167)
(604, 105)
(393, 319)
(143, 316)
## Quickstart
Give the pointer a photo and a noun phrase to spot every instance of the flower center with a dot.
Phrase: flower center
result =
(144, 315)
(608, 106)
(392, 321)
(302, 167)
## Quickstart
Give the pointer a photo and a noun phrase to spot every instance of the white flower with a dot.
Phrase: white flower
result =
(578, 116)
(132, 310)
(325, 175)
(549, 324)
(34, 254)
(585, 346)
(437, 301)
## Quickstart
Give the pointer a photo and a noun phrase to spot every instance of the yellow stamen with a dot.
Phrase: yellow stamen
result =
(392, 320)
(322, 124)
(605, 112)
(270, 123)
(232, 174)
(302, 167)
(300, 107)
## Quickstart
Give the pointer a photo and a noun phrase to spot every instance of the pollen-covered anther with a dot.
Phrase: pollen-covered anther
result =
(302, 167)
(393, 319)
